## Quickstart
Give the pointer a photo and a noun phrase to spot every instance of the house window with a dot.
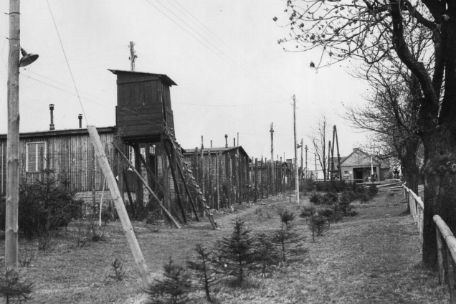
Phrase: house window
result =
(35, 156)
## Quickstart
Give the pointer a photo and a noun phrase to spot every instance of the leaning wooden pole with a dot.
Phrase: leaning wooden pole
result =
(12, 143)
(120, 207)
(170, 216)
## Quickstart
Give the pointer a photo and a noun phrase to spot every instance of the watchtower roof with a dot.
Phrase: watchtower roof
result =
(164, 78)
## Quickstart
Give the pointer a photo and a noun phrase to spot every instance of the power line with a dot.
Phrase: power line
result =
(194, 29)
(67, 61)
(46, 83)
(189, 32)
(202, 25)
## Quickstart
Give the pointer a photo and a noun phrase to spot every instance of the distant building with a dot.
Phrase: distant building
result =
(359, 166)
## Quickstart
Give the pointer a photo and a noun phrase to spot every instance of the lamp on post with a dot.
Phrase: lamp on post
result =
(12, 141)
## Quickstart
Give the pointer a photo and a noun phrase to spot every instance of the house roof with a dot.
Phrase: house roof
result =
(64, 132)
(216, 149)
(164, 78)
(360, 158)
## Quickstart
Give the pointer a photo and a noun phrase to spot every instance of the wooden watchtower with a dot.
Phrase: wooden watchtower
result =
(143, 105)
(144, 120)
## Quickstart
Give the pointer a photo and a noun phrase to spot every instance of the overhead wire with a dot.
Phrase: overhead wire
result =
(67, 61)
(195, 33)
(182, 27)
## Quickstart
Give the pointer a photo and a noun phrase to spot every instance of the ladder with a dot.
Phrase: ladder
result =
(190, 183)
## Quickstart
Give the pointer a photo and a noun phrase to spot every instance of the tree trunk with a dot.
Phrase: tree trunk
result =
(410, 169)
(439, 187)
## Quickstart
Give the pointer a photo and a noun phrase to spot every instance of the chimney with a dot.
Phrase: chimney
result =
(234, 141)
(80, 121)
(202, 142)
(226, 140)
(237, 138)
(51, 109)
(211, 143)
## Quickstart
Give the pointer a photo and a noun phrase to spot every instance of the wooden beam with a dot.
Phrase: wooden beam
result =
(176, 186)
(119, 204)
(170, 216)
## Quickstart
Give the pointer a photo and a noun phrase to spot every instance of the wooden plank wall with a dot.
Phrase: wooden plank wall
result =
(71, 157)
(239, 180)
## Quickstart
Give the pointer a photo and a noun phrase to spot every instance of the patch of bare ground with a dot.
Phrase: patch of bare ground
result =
(370, 258)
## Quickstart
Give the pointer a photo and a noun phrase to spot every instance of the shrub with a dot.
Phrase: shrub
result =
(117, 271)
(307, 211)
(44, 206)
(284, 238)
(330, 198)
(318, 224)
(236, 252)
(265, 253)
(345, 200)
(11, 287)
(327, 212)
(286, 218)
(372, 190)
(316, 198)
(204, 270)
(172, 289)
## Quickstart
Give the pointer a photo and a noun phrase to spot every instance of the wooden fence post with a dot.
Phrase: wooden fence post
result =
(119, 204)
(440, 256)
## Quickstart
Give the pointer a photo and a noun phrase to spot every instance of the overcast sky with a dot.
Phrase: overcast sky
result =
(232, 75)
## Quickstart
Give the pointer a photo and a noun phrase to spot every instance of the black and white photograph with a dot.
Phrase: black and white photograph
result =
(228, 151)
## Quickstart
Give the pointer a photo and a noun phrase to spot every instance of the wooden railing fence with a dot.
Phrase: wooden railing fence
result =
(416, 208)
(446, 242)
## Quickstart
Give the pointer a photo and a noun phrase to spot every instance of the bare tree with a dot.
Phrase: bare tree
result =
(371, 30)
(392, 114)
(319, 143)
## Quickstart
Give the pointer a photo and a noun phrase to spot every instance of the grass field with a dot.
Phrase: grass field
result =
(370, 258)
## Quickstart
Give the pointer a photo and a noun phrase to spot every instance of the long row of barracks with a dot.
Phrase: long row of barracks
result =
(144, 132)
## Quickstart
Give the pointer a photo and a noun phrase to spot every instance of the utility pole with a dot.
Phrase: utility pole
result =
(306, 162)
(302, 168)
(295, 151)
(133, 56)
(271, 130)
(12, 143)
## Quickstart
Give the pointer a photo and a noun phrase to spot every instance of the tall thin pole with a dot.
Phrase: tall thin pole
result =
(306, 162)
(295, 151)
(302, 158)
(12, 143)
(133, 55)
(271, 130)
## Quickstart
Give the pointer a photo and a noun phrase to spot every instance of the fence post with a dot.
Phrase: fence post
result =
(450, 275)
(440, 256)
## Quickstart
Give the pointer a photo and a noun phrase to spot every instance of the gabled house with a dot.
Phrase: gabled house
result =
(360, 166)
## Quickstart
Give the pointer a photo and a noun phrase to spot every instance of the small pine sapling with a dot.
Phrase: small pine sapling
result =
(266, 253)
(204, 270)
(318, 224)
(173, 288)
(118, 273)
(286, 218)
(12, 288)
(285, 236)
(236, 253)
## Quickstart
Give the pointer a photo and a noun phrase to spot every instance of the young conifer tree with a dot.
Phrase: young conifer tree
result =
(266, 253)
(204, 270)
(12, 288)
(173, 288)
(236, 252)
